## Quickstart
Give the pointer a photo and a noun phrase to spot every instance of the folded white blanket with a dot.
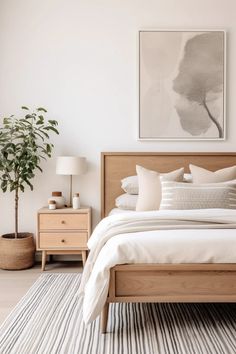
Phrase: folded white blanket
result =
(127, 238)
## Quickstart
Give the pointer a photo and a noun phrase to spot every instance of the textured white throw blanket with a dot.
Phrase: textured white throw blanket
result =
(148, 237)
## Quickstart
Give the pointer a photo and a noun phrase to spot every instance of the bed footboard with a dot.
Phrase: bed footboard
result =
(171, 283)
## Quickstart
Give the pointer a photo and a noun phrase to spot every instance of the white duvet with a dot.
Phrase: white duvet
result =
(173, 236)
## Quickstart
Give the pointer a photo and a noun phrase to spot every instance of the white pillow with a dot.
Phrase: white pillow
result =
(130, 184)
(201, 175)
(188, 178)
(149, 197)
(126, 201)
(179, 196)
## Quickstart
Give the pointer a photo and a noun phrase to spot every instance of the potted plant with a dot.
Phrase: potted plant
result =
(24, 142)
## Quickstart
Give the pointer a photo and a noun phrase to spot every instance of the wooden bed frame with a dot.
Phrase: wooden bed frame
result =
(163, 282)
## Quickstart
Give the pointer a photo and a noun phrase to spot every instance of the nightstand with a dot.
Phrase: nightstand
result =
(63, 231)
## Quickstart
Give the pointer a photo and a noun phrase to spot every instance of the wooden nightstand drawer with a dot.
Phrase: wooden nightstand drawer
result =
(63, 239)
(63, 222)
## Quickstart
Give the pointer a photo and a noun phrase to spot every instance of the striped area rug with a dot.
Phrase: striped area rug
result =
(48, 320)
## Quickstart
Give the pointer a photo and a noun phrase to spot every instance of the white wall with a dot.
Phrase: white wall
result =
(78, 58)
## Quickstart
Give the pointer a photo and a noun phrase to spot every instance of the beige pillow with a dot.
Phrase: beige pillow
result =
(179, 196)
(201, 175)
(149, 197)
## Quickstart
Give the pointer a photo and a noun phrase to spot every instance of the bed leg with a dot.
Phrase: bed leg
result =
(104, 317)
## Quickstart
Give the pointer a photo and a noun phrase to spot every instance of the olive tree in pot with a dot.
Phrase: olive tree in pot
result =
(24, 142)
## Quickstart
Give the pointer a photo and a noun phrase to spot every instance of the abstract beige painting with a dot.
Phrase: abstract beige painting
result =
(182, 85)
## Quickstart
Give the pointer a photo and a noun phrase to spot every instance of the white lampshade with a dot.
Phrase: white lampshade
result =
(71, 165)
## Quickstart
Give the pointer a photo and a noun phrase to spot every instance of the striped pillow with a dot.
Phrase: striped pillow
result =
(179, 196)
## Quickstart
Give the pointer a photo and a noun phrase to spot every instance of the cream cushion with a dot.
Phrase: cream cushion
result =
(149, 197)
(201, 175)
(179, 196)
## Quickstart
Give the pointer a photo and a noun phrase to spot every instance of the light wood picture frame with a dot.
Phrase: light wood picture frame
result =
(182, 85)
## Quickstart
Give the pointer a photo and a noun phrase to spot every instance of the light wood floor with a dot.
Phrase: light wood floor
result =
(14, 284)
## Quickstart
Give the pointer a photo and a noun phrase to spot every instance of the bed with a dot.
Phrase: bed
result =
(168, 282)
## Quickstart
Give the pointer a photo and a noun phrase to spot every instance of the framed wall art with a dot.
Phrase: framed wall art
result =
(182, 85)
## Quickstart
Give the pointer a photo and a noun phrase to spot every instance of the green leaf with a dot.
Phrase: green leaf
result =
(49, 149)
(4, 186)
(41, 109)
(52, 128)
(44, 133)
(53, 122)
(12, 188)
(24, 107)
(29, 184)
(6, 121)
(41, 137)
(39, 168)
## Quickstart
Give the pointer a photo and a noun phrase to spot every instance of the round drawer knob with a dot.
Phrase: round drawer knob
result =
(63, 241)
(63, 222)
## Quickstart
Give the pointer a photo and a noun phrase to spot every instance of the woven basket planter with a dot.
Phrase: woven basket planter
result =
(17, 253)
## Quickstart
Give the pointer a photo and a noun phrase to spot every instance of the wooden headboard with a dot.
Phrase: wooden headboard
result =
(117, 165)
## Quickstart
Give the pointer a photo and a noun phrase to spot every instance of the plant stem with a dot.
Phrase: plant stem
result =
(215, 121)
(16, 211)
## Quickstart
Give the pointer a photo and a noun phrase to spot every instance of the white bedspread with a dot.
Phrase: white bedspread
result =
(199, 236)
(120, 211)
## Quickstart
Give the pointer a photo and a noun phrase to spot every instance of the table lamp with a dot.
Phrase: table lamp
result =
(71, 165)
